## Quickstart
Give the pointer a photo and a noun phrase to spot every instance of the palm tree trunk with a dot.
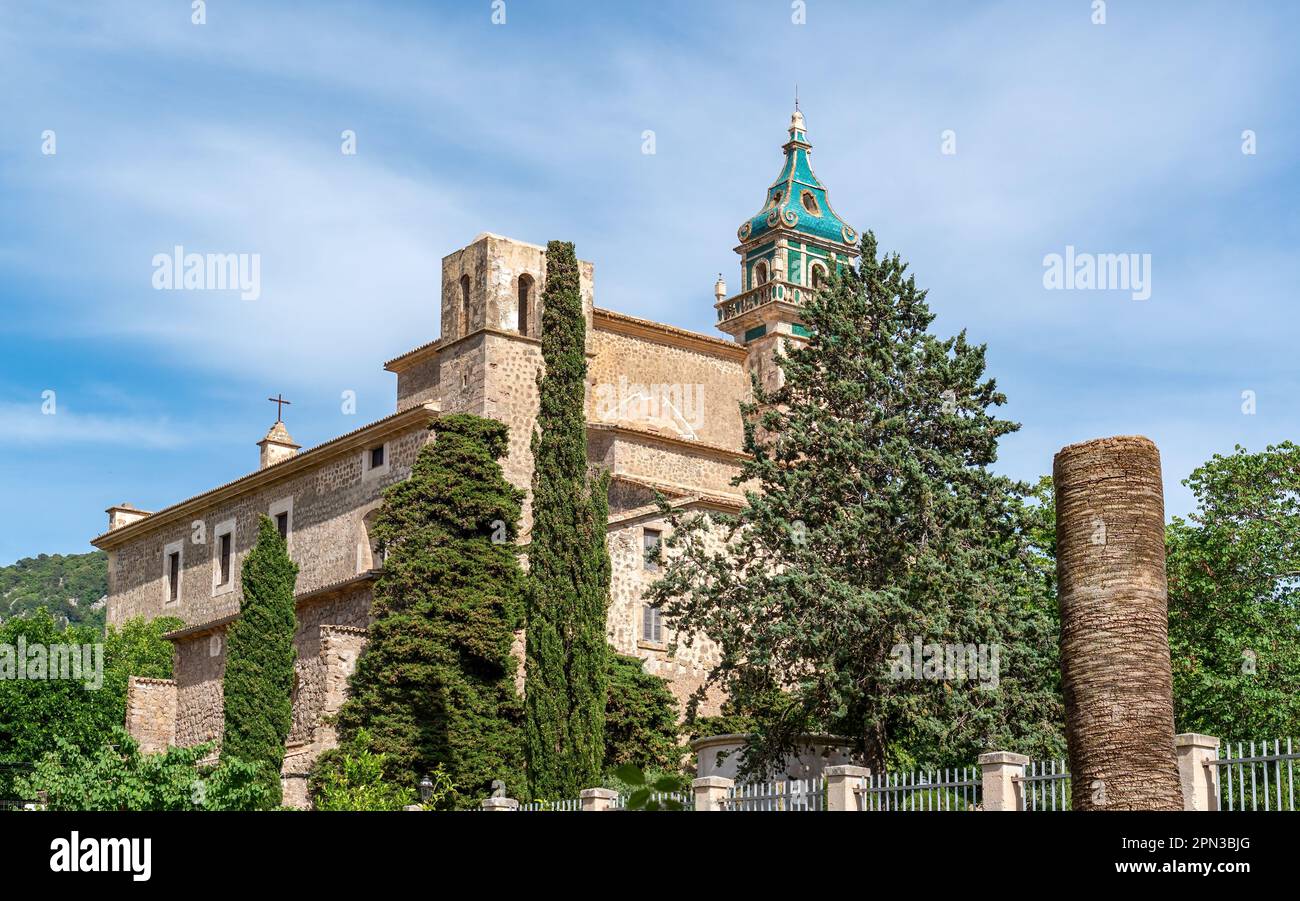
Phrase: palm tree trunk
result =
(1114, 626)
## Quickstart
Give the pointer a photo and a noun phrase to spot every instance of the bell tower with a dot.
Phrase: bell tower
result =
(787, 250)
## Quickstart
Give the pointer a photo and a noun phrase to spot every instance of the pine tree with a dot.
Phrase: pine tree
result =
(568, 563)
(435, 686)
(260, 657)
(873, 521)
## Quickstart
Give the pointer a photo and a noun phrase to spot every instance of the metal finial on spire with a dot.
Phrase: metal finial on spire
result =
(796, 96)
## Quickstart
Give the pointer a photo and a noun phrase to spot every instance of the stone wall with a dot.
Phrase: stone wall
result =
(200, 666)
(710, 381)
(151, 713)
(417, 382)
(685, 666)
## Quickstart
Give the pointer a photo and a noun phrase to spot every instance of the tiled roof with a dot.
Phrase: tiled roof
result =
(289, 465)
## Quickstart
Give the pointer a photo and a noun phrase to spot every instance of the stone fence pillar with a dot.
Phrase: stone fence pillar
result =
(999, 771)
(500, 804)
(710, 791)
(1199, 779)
(598, 798)
(841, 782)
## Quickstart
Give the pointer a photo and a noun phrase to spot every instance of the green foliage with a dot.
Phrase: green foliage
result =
(1234, 597)
(260, 658)
(38, 712)
(646, 791)
(569, 568)
(115, 776)
(640, 718)
(357, 777)
(1234, 612)
(435, 686)
(69, 586)
(874, 520)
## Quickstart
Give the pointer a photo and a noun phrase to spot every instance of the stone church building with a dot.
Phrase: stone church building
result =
(663, 418)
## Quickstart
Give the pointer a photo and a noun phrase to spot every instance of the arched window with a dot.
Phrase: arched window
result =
(464, 305)
(817, 276)
(760, 273)
(525, 302)
(810, 203)
(370, 554)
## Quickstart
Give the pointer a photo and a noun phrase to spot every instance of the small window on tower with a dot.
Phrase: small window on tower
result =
(810, 203)
(818, 275)
(760, 273)
(376, 457)
(525, 297)
(464, 306)
(282, 524)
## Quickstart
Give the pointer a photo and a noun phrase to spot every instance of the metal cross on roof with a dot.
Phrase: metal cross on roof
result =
(279, 402)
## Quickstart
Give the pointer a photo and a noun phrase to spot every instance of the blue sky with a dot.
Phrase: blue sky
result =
(225, 137)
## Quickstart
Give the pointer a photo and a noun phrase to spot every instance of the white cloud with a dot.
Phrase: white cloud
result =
(24, 425)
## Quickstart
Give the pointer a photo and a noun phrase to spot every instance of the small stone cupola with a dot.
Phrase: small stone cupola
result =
(276, 446)
(124, 514)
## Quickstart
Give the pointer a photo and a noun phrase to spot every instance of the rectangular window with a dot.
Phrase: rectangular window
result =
(281, 513)
(174, 576)
(375, 461)
(223, 559)
(651, 624)
(649, 545)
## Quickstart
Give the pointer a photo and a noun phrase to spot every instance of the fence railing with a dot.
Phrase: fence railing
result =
(1213, 775)
(1256, 778)
(566, 804)
(1045, 785)
(944, 789)
(685, 798)
(784, 794)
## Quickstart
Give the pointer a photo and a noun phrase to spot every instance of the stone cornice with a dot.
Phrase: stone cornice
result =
(623, 324)
(331, 449)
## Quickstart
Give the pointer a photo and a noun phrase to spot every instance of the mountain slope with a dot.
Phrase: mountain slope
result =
(71, 587)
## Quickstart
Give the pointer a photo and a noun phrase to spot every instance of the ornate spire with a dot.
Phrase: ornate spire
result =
(797, 201)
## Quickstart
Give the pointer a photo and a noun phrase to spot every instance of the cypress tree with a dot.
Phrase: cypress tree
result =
(435, 685)
(260, 656)
(569, 570)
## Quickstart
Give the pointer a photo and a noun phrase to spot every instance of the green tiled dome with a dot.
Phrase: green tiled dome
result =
(797, 200)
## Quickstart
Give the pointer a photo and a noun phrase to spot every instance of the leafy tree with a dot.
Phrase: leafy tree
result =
(650, 791)
(1234, 613)
(1234, 597)
(37, 712)
(116, 776)
(435, 686)
(640, 718)
(568, 563)
(260, 658)
(873, 521)
(357, 777)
